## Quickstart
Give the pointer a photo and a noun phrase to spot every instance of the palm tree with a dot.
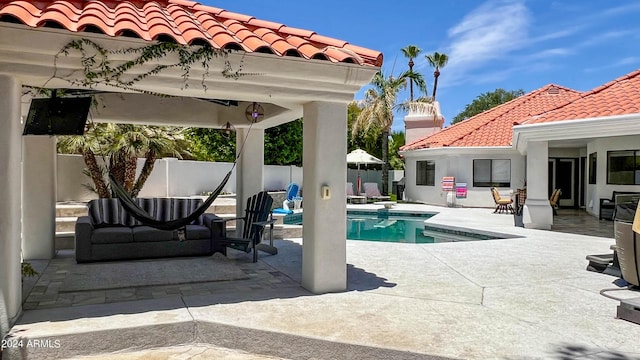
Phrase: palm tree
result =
(377, 111)
(162, 141)
(437, 61)
(411, 52)
(120, 146)
(88, 145)
(396, 140)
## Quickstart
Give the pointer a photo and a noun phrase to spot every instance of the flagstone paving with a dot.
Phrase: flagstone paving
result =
(525, 297)
(46, 293)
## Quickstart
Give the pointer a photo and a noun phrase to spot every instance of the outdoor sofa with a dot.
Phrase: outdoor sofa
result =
(108, 232)
(607, 206)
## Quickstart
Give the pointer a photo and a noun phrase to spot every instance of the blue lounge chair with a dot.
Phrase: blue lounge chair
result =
(292, 195)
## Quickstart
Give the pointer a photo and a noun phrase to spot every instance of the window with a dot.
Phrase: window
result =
(491, 172)
(426, 172)
(623, 167)
(593, 158)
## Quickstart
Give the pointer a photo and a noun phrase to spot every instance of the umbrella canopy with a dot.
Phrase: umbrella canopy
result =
(359, 156)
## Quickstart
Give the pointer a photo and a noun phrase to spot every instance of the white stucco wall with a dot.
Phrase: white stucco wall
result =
(459, 163)
(173, 177)
(277, 177)
(565, 152)
(170, 177)
(601, 189)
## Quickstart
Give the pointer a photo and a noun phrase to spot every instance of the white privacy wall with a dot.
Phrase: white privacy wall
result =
(459, 163)
(170, 177)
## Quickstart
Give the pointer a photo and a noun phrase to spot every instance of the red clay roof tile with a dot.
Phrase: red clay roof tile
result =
(186, 22)
(618, 97)
(207, 9)
(296, 32)
(327, 40)
(23, 11)
(494, 126)
(257, 24)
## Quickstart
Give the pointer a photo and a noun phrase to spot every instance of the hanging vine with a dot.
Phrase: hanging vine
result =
(99, 68)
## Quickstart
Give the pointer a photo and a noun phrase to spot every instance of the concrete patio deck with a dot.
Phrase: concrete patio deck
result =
(528, 297)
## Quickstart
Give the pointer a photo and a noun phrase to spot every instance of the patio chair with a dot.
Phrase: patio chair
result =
(554, 199)
(292, 196)
(372, 192)
(502, 204)
(351, 197)
(349, 189)
(257, 218)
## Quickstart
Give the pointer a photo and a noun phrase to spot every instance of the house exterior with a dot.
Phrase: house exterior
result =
(583, 143)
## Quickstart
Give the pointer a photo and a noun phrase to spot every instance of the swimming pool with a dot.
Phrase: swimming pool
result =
(398, 227)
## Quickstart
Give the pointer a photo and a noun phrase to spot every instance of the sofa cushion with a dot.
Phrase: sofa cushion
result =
(148, 205)
(149, 234)
(108, 212)
(166, 209)
(184, 207)
(112, 235)
(197, 232)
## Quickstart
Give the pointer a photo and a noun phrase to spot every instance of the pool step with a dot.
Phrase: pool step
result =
(444, 233)
(280, 231)
(71, 209)
(66, 224)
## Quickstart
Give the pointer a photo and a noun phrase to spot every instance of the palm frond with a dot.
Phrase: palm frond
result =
(411, 51)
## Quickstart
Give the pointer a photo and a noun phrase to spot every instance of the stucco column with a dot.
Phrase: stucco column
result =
(537, 212)
(250, 167)
(324, 247)
(10, 201)
(39, 197)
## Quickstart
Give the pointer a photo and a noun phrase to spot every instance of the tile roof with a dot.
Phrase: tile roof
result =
(494, 126)
(618, 97)
(187, 23)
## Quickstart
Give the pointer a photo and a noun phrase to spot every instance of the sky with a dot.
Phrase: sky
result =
(509, 44)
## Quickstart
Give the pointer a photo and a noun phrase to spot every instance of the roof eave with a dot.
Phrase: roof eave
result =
(569, 129)
(28, 54)
(456, 150)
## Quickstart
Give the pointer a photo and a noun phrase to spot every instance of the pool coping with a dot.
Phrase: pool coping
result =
(467, 231)
(455, 233)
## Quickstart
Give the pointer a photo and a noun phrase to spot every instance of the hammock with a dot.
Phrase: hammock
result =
(130, 205)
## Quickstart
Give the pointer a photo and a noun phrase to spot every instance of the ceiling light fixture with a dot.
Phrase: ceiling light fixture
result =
(254, 112)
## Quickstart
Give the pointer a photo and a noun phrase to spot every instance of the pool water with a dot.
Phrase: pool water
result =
(385, 226)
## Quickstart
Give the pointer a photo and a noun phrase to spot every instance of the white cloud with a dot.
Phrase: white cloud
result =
(630, 60)
(493, 30)
(558, 34)
(624, 9)
(605, 37)
(549, 53)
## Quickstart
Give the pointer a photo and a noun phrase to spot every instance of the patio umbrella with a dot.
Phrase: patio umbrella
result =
(359, 156)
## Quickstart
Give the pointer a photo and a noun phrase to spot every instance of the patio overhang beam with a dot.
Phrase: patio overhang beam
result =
(589, 128)
(28, 54)
(144, 109)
